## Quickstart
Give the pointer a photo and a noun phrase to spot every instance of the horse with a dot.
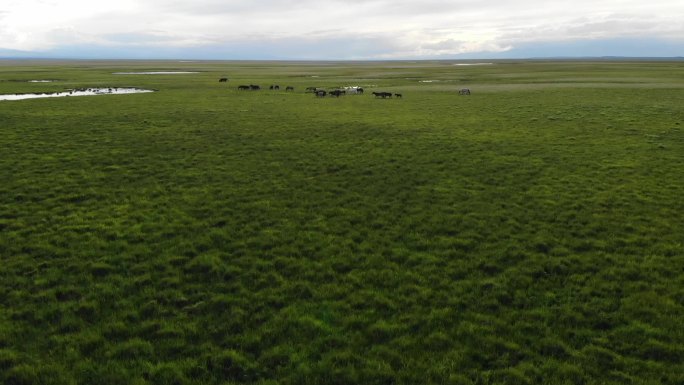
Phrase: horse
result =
(243, 87)
(320, 93)
(336, 93)
(223, 80)
(397, 95)
(464, 91)
(289, 88)
(310, 89)
(254, 87)
(382, 94)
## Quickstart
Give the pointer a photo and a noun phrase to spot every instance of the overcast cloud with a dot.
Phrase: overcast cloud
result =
(340, 29)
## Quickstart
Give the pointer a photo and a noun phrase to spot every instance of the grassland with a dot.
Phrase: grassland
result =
(531, 233)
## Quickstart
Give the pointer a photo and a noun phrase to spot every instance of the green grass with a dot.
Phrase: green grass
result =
(530, 233)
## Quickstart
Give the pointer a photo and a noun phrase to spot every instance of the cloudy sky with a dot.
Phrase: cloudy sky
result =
(340, 29)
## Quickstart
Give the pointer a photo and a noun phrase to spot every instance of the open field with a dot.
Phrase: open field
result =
(530, 233)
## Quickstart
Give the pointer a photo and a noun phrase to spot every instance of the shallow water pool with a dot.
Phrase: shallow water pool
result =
(156, 73)
(76, 92)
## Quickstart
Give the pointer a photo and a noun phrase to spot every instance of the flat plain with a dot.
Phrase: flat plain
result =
(529, 233)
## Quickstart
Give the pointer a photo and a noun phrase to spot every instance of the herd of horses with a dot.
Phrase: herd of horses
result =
(385, 95)
(319, 93)
(336, 93)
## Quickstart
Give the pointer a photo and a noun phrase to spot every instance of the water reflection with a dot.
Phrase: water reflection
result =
(76, 92)
(156, 73)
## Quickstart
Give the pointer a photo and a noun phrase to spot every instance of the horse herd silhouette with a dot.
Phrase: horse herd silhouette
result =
(320, 93)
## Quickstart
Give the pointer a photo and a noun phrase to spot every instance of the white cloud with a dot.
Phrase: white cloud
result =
(406, 27)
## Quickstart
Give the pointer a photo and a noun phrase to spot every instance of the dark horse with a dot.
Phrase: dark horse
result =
(289, 88)
(223, 80)
(464, 91)
(243, 87)
(382, 94)
(397, 95)
(320, 93)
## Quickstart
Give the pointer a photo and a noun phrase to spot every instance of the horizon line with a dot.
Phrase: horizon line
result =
(189, 60)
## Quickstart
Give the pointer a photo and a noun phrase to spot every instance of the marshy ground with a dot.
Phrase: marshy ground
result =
(528, 233)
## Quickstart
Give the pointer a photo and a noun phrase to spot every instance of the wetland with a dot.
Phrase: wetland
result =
(529, 233)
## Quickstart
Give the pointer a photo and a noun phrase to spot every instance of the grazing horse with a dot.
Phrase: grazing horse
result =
(243, 87)
(359, 90)
(223, 80)
(397, 95)
(274, 87)
(310, 89)
(289, 88)
(337, 93)
(254, 87)
(320, 93)
(464, 91)
(382, 94)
